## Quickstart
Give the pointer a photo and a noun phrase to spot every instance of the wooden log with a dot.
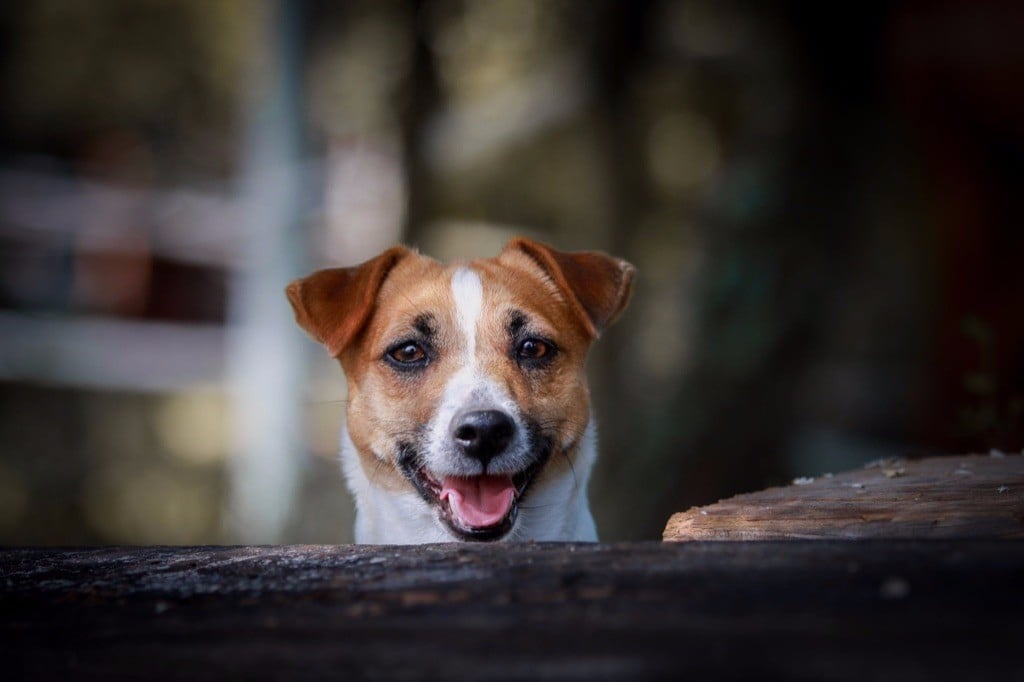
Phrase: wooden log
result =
(907, 610)
(978, 496)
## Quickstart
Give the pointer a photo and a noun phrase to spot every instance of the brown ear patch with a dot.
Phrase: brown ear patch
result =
(333, 305)
(597, 286)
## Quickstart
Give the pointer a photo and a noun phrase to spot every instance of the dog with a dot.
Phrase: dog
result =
(468, 416)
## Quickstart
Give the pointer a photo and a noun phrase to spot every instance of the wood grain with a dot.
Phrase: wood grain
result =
(976, 496)
(823, 610)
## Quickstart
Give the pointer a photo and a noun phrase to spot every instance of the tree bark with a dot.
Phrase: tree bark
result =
(939, 497)
(944, 610)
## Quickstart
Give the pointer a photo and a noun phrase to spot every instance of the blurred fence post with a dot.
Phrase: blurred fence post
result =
(266, 357)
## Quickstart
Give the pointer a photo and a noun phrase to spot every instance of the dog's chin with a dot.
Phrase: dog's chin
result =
(476, 508)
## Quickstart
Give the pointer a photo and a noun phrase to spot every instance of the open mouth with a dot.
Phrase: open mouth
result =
(478, 508)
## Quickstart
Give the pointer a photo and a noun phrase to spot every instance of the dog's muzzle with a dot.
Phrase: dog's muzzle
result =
(482, 507)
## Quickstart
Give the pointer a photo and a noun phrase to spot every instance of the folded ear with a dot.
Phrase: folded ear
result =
(333, 305)
(597, 286)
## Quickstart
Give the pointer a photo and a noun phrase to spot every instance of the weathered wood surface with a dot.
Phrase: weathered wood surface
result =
(976, 496)
(904, 610)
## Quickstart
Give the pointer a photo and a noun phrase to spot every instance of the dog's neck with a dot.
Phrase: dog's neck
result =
(556, 507)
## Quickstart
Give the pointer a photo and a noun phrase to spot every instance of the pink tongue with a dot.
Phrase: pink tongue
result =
(479, 501)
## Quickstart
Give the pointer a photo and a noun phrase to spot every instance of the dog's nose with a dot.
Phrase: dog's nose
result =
(483, 434)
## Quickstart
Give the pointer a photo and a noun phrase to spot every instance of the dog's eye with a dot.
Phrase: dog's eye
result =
(533, 349)
(408, 353)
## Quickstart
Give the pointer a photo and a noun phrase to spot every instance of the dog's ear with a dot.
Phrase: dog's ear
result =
(333, 305)
(596, 285)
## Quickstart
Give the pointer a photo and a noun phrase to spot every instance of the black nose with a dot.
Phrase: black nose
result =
(483, 434)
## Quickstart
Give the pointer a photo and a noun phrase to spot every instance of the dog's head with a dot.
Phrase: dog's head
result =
(465, 380)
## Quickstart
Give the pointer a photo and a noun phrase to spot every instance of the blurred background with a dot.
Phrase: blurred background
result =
(824, 204)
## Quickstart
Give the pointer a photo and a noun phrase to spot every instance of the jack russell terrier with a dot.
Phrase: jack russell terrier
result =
(469, 414)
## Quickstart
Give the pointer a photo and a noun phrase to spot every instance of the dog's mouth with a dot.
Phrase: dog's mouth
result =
(476, 508)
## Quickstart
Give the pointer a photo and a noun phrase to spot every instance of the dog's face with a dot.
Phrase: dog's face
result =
(465, 380)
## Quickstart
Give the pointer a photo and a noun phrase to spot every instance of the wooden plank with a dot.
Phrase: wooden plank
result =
(977, 496)
(940, 610)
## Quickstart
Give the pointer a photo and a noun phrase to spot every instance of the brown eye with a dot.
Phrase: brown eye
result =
(408, 354)
(533, 349)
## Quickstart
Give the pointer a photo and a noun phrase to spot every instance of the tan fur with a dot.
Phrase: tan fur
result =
(382, 403)
(568, 298)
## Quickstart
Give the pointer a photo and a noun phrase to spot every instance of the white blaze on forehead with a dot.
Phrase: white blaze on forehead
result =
(469, 295)
(469, 388)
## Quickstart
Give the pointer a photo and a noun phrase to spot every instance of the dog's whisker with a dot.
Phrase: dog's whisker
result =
(514, 391)
(572, 468)
(531, 507)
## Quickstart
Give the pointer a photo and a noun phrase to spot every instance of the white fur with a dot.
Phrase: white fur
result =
(556, 506)
(386, 517)
(468, 293)
(555, 509)
(470, 389)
